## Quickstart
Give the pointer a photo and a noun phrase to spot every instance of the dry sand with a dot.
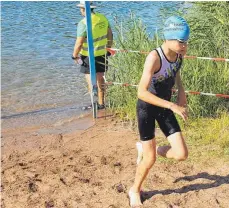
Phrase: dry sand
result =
(95, 167)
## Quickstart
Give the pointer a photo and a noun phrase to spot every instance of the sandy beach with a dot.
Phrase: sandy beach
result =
(94, 166)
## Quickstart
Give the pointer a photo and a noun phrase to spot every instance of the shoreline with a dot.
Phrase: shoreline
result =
(94, 167)
(46, 125)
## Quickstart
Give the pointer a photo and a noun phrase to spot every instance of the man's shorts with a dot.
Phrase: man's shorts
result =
(147, 114)
(101, 64)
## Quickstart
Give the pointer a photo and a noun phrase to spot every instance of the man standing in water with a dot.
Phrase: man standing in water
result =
(161, 72)
(102, 39)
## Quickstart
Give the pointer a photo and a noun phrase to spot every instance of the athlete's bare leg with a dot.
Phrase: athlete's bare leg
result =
(177, 149)
(149, 158)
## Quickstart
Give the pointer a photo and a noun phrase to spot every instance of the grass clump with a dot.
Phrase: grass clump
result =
(209, 38)
(208, 136)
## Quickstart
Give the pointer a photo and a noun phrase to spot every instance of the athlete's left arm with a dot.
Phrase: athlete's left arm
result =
(181, 99)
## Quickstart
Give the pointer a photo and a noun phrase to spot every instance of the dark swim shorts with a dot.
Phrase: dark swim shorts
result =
(101, 64)
(147, 114)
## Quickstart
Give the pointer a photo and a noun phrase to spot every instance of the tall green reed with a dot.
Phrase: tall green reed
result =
(128, 67)
(208, 38)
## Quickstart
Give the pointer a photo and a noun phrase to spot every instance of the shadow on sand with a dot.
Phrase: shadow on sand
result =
(217, 180)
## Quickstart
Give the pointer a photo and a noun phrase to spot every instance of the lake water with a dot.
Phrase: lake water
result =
(40, 83)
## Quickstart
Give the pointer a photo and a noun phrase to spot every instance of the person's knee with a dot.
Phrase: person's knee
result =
(181, 155)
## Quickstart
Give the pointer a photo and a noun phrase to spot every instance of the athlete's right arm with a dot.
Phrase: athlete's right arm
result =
(152, 64)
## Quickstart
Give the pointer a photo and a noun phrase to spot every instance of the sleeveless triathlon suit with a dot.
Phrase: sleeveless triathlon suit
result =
(161, 85)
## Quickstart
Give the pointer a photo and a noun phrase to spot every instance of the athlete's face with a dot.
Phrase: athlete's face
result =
(178, 46)
(82, 10)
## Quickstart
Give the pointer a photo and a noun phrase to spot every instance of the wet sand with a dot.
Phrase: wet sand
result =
(86, 164)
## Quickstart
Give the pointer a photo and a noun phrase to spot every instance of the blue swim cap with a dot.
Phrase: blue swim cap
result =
(176, 27)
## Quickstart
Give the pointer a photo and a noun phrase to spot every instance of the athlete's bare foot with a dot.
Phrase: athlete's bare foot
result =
(135, 199)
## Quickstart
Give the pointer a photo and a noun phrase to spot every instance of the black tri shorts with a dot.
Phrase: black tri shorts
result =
(147, 114)
(101, 64)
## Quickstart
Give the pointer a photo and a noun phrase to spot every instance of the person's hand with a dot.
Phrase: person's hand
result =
(181, 111)
(77, 60)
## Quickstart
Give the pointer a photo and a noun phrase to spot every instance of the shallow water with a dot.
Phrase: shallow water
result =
(40, 82)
